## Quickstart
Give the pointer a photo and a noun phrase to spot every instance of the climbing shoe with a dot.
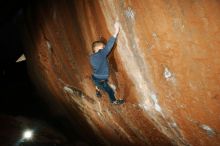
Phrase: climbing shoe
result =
(118, 102)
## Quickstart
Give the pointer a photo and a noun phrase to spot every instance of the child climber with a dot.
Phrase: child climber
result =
(100, 66)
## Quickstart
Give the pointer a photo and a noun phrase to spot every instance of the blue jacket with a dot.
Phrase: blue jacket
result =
(99, 60)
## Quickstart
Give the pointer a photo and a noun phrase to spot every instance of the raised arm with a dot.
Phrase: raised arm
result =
(117, 29)
(111, 41)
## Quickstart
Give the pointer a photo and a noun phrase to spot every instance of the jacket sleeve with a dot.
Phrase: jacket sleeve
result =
(108, 46)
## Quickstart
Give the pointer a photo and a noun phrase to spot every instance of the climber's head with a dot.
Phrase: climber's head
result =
(97, 45)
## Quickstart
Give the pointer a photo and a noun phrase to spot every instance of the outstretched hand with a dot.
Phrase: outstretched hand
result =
(117, 28)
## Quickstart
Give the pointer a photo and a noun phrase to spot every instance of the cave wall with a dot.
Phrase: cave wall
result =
(166, 65)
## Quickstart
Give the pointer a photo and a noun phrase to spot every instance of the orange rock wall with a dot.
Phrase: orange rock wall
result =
(166, 65)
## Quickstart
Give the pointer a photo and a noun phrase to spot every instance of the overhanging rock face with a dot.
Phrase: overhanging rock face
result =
(166, 65)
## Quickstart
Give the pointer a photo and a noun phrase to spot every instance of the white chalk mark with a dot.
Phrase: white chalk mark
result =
(48, 45)
(174, 125)
(129, 13)
(167, 74)
(154, 97)
(208, 130)
(156, 104)
(158, 108)
(67, 90)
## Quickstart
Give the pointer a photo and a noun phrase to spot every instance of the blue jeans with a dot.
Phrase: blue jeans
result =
(103, 85)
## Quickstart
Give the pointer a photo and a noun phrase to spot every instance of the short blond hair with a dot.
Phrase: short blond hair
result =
(95, 44)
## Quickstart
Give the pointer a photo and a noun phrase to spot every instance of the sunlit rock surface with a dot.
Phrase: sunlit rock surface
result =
(166, 65)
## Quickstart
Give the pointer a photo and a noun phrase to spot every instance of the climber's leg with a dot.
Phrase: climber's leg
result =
(97, 86)
(109, 90)
(103, 85)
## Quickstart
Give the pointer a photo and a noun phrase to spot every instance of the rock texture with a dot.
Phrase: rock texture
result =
(166, 65)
